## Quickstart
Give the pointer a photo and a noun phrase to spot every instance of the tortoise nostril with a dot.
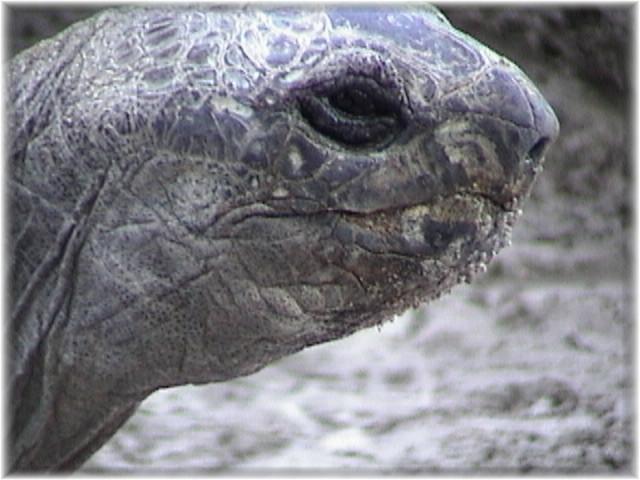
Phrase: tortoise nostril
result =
(539, 149)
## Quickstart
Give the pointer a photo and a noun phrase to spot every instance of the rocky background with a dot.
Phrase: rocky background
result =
(529, 369)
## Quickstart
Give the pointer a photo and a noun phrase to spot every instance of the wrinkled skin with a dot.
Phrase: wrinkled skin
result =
(196, 193)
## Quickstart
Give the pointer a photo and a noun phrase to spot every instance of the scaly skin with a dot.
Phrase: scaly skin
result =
(197, 192)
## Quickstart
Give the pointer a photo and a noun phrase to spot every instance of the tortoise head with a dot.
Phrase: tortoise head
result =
(278, 178)
(202, 191)
(386, 159)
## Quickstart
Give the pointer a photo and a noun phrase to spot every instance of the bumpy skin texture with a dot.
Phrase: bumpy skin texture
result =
(197, 192)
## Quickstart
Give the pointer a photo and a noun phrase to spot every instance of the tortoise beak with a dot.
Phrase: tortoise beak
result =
(545, 123)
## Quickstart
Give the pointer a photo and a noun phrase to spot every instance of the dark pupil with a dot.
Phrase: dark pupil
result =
(353, 101)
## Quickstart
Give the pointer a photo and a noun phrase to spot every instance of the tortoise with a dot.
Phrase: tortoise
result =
(196, 192)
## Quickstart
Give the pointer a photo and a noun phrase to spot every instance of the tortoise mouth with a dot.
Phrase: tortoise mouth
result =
(451, 227)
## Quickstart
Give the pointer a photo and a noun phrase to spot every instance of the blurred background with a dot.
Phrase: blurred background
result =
(529, 369)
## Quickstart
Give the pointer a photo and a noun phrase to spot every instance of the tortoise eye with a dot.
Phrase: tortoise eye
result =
(355, 112)
(357, 102)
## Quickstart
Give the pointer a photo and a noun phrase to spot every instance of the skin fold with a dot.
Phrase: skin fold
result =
(197, 192)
